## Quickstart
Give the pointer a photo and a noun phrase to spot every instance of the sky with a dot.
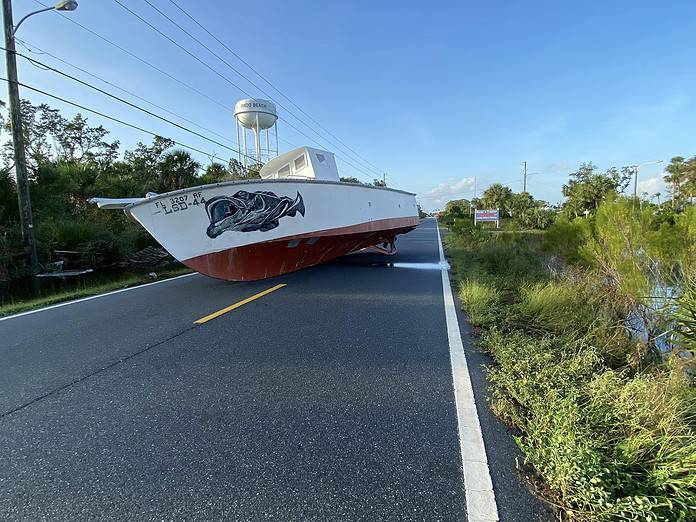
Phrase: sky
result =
(434, 94)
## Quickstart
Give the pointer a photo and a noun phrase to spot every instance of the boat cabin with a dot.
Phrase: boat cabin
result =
(302, 163)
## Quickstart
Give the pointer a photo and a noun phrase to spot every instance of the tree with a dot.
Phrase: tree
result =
(48, 136)
(78, 142)
(176, 170)
(689, 185)
(520, 204)
(9, 212)
(239, 171)
(143, 162)
(214, 173)
(497, 196)
(676, 177)
(587, 188)
(457, 208)
(379, 183)
(350, 179)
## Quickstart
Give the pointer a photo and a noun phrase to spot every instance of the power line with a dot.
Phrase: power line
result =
(358, 157)
(112, 118)
(340, 159)
(130, 104)
(38, 50)
(172, 77)
(169, 38)
(189, 16)
(357, 169)
(238, 72)
(142, 60)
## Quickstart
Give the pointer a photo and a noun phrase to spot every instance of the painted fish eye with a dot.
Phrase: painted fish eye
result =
(222, 210)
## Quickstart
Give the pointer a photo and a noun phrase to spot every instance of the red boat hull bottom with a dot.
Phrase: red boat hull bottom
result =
(280, 256)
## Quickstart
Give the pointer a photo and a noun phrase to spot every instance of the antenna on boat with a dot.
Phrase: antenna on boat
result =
(256, 115)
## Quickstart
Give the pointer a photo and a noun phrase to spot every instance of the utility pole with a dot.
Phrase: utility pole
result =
(524, 182)
(635, 183)
(635, 178)
(471, 204)
(25, 213)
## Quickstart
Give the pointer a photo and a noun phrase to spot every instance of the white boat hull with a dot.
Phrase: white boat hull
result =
(246, 230)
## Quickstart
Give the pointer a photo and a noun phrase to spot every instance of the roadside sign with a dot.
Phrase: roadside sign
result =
(487, 215)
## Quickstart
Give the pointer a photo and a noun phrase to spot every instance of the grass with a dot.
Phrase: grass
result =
(558, 307)
(480, 301)
(610, 432)
(90, 288)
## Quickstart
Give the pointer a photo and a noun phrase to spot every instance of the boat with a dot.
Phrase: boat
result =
(298, 214)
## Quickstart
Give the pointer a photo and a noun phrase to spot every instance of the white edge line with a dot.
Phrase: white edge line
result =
(67, 303)
(478, 487)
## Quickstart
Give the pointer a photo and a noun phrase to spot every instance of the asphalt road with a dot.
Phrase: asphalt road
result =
(328, 399)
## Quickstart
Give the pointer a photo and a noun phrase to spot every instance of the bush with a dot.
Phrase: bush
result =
(480, 301)
(565, 238)
(510, 259)
(560, 308)
(611, 445)
(606, 418)
(685, 318)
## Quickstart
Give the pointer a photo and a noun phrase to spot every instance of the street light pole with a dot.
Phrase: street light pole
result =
(26, 216)
(635, 178)
(524, 182)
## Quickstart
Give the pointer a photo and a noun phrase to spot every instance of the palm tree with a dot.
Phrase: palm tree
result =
(177, 169)
(676, 173)
(497, 196)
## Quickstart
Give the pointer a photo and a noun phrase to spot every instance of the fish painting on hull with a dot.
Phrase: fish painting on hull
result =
(250, 211)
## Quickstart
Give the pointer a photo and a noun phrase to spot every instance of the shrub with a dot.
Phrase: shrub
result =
(464, 228)
(611, 445)
(558, 307)
(480, 301)
(510, 259)
(607, 420)
(685, 318)
(566, 237)
(647, 426)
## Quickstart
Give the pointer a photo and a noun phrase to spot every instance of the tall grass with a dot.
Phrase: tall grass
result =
(611, 431)
(480, 300)
(89, 288)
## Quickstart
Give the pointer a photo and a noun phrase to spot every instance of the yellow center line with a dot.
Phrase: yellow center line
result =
(238, 304)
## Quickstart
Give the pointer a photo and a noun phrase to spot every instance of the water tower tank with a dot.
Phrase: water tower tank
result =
(254, 113)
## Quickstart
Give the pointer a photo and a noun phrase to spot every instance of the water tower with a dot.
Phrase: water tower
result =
(256, 115)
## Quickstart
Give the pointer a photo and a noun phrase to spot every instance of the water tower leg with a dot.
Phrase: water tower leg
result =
(257, 137)
(245, 147)
(275, 126)
(239, 145)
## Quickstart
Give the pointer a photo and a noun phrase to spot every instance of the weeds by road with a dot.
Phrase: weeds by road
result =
(86, 289)
(604, 411)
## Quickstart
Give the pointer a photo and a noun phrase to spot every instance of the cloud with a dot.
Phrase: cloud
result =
(444, 192)
(652, 185)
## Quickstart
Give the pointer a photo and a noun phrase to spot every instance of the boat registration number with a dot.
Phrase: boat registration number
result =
(179, 203)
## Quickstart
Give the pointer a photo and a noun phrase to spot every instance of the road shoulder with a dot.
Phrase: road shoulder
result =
(514, 497)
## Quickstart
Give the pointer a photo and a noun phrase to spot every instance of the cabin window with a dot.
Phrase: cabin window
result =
(284, 171)
(321, 158)
(300, 163)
